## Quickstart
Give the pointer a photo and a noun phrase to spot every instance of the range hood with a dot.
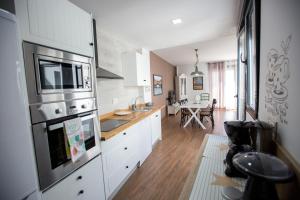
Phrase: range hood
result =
(100, 72)
(103, 73)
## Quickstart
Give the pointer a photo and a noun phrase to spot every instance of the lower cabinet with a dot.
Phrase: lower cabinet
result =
(123, 152)
(85, 183)
(145, 141)
(156, 126)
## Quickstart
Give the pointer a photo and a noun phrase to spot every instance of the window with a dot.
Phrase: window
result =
(252, 64)
(250, 23)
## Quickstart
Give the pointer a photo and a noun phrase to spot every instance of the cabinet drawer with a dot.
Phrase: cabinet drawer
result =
(119, 175)
(116, 140)
(119, 155)
(85, 183)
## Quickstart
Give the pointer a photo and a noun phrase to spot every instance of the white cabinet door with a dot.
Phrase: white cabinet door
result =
(146, 73)
(85, 183)
(156, 126)
(56, 23)
(145, 141)
(140, 71)
(120, 157)
(136, 68)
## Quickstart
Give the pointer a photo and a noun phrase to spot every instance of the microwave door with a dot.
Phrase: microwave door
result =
(50, 75)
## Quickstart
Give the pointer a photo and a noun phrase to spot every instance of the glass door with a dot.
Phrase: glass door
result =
(241, 77)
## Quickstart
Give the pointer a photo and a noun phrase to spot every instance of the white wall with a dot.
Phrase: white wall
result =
(279, 19)
(110, 49)
(188, 69)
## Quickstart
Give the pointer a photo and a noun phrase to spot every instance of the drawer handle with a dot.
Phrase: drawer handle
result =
(80, 192)
(124, 133)
(127, 167)
(156, 115)
(79, 178)
(125, 148)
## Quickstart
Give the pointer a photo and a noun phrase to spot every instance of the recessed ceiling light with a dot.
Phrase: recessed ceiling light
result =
(177, 21)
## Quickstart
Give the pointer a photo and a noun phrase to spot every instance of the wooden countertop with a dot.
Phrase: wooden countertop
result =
(133, 119)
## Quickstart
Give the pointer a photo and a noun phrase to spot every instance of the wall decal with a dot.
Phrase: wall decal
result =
(278, 74)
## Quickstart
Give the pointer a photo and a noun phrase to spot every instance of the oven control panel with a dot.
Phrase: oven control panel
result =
(49, 111)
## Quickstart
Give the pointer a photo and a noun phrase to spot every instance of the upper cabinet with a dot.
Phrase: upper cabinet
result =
(136, 68)
(56, 23)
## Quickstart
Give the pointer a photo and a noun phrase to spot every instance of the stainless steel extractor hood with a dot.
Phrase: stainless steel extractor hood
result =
(103, 73)
(100, 72)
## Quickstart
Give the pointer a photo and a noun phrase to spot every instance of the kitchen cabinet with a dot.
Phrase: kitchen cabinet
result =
(120, 157)
(56, 23)
(18, 170)
(136, 68)
(123, 152)
(85, 183)
(145, 139)
(155, 127)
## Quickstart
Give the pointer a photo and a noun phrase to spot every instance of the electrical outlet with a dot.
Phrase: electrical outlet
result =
(115, 100)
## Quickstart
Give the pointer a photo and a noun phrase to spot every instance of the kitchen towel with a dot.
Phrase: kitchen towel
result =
(73, 130)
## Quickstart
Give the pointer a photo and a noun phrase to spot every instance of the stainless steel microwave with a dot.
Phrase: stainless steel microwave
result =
(55, 75)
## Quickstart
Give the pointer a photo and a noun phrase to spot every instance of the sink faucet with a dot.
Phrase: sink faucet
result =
(135, 101)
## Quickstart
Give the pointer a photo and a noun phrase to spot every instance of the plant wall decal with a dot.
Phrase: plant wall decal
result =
(278, 74)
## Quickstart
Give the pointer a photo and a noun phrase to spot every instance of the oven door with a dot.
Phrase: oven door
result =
(49, 139)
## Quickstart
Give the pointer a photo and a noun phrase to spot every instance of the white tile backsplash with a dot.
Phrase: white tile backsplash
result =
(110, 49)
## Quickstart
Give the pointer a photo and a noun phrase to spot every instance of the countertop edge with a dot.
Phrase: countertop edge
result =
(125, 126)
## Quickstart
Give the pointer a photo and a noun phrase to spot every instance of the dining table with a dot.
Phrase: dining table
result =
(194, 109)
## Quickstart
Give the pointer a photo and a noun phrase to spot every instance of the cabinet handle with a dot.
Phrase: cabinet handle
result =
(144, 80)
(80, 192)
(127, 167)
(125, 148)
(124, 133)
(91, 44)
(79, 178)
(156, 115)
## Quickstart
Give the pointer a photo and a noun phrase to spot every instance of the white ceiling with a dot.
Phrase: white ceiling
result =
(219, 49)
(147, 23)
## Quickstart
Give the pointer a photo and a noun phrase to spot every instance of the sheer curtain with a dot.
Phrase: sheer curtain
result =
(216, 82)
(230, 85)
(222, 83)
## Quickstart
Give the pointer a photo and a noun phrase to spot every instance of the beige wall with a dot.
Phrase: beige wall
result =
(161, 67)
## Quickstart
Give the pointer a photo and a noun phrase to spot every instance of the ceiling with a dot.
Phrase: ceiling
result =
(147, 23)
(219, 49)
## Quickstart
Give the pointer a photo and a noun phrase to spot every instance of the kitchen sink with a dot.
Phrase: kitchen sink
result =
(142, 110)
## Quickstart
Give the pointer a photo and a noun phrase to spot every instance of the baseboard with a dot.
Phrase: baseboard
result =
(288, 190)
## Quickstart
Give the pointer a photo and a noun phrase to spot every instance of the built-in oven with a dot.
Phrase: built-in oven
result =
(53, 160)
(60, 87)
(55, 75)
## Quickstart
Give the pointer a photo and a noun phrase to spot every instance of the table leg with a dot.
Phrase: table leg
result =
(188, 121)
(197, 119)
(194, 116)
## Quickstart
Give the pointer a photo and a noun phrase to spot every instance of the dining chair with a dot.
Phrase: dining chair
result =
(209, 112)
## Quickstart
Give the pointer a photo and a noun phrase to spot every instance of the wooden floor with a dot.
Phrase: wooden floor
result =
(164, 173)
